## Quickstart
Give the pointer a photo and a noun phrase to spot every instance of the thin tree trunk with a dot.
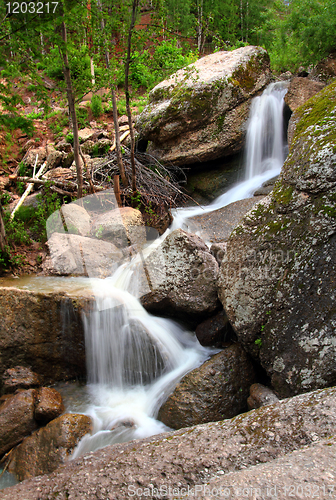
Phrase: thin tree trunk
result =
(116, 188)
(241, 20)
(72, 109)
(115, 109)
(127, 95)
(199, 26)
(3, 239)
(247, 14)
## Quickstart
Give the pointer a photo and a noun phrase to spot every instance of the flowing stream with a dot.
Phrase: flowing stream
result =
(134, 359)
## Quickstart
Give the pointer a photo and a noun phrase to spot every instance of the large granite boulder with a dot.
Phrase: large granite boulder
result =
(196, 455)
(216, 390)
(72, 254)
(49, 447)
(43, 331)
(181, 278)
(200, 112)
(300, 90)
(277, 277)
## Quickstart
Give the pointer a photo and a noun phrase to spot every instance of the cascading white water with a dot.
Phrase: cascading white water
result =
(264, 139)
(135, 359)
(265, 152)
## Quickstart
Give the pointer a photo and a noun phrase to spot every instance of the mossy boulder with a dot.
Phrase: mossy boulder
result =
(277, 278)
(200, 112)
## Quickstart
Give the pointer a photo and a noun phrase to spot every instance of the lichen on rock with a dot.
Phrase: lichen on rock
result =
(200, 112)
(277, 279)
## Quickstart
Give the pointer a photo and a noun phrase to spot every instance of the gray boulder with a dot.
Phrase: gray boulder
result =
(193, 456)
(216, 390)
(200, 112)
(71, 254)
(278, 273)
(182, 278)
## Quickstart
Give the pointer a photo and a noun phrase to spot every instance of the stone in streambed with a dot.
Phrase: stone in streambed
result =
(44, 331)
(49, 447)
(260, 395)
(19, 377)
(17, 419)
(214, 331)
(48, 406)
(194, 456)
(217, 226)
(300, 90)
(216, 390)
(180, 279)
(121, 226)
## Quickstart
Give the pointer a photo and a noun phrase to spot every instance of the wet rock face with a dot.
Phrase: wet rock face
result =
(49, 447)
(214, 331)
(181, 278)
(43, 331)
(277, 277)
(200, 112)
(17, 419)
(48, 405)
(300, 90)
(19, 377)
(192, 456)
(260, 395)
(216, 390)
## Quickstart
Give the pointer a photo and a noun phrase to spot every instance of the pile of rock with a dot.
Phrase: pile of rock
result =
(35, 437)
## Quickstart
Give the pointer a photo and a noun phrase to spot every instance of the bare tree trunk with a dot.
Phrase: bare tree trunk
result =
(72, 109)
(3, 239)
(199, 25)
(116, 188)
(115, 109)
(127, 95)
(247, 14)
(241, 20)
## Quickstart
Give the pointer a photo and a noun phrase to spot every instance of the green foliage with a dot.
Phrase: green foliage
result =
(300, 33)
(5, 198)
(57, 121)
(96, 106)
(82, 117)
(121, 106)
(15, 230)
(136, 200)
(258, 343)
(13, 121)
(69, 138)
(48, 203)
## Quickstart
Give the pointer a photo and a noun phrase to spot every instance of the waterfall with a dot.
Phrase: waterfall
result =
(134, 359)
(265, 152)
(265, 145)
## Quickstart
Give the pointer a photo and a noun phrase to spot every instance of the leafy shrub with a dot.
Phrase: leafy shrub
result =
(69, 138)
(96, 106)
(82, 117)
